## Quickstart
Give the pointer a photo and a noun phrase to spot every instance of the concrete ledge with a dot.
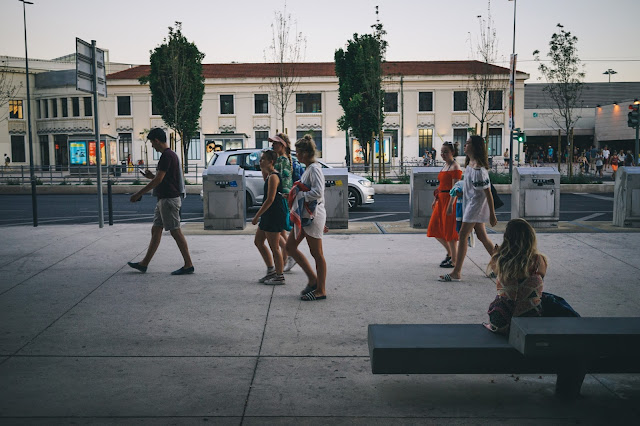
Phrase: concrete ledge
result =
(81, 189)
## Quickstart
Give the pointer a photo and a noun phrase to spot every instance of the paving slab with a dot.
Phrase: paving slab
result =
(124, 386)
(281, 385)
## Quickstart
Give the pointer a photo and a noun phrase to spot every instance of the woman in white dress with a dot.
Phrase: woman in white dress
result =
(313, 178)
(477, 203)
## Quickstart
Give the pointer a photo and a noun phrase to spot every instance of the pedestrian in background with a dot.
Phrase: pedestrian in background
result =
(614, 164)
(272, 218)
(313, 230)
(606, 154)
(168, 186)
(599, 163)
(442, 226)
(7, 161)
(505, 155)
(284, 165)
(477, 203)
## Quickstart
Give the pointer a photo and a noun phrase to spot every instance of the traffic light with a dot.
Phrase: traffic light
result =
(634, 115)
(522, 137)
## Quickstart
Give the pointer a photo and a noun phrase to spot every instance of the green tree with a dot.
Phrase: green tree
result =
(564, 76)
(359, 72)
(177, 85)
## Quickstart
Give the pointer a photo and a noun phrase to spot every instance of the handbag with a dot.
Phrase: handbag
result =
(497, 202)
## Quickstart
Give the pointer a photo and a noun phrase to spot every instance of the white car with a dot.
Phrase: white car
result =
(361, 190)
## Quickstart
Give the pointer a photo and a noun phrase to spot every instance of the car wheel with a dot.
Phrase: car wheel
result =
(353, 198)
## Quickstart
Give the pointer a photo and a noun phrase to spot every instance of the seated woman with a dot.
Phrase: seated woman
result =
(520, 271)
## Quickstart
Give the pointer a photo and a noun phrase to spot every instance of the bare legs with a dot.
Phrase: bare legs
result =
(156, 236)
(464, 233)
(319, 276)
(273, 255)
(451, 247)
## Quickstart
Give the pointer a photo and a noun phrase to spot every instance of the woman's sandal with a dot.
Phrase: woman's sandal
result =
(309, 297)
(448, 278)
(308, 288)
(444, 262)
(447, 264)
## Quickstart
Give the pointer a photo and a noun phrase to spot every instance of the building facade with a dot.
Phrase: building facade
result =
(426, 103)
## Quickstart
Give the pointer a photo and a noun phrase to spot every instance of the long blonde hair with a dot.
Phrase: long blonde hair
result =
(518, 254)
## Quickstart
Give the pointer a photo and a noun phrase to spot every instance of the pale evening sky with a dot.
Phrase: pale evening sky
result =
(607, 31)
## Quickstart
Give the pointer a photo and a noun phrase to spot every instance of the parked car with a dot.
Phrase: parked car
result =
(361, 190)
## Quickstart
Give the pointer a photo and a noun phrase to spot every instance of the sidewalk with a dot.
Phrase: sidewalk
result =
(84, 339)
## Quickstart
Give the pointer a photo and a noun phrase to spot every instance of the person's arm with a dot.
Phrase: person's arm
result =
(316, 185)
(542, 266)
(272, 189)
(493, 220)
(148, 187)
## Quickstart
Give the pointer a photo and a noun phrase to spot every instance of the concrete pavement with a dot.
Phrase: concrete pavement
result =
(85, 339)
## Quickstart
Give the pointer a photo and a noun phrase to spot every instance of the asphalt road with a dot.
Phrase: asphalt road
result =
(76, 209)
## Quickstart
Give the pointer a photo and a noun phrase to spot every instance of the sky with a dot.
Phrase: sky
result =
(424, 30)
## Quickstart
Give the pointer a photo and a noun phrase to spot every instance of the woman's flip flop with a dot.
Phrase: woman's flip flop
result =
(448, 278)
(309, 297)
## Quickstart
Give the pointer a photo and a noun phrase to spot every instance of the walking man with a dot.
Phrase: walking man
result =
(167, 185)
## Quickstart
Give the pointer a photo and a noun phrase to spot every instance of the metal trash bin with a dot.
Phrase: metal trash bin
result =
(224, 198)
(535, 196)
(336, 191)
(626, 200)
(424, 180)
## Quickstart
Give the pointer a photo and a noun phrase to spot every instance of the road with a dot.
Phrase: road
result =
(75, 209)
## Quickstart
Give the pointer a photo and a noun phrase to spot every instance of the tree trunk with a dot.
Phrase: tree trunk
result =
(570, 143)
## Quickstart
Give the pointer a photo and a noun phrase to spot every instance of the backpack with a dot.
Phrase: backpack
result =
(297, 170)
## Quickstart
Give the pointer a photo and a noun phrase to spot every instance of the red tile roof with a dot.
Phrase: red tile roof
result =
(321, 69)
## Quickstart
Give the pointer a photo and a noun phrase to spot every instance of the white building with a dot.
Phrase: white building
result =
(426, 103)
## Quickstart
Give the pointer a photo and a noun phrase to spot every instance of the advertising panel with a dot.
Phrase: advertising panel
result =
(92, 153)
(77, 153)
(357, 154)
(113, 153)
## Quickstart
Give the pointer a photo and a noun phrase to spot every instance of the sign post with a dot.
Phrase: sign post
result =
(512, 124)
(91, 77)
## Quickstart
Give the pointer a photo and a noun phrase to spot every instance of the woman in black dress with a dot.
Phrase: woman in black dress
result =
(272, 218)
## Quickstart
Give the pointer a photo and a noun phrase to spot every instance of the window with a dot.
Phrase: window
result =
(425, 101)
(425, 141)
(194, 148)
(156, 154)
(495, 100)
(393, 134)
(15, 109)
(124, 105)
(154, 108)
(38, 111)
(308, 103)
(45, 104)
(75, 107)
(226, 104)
(54, 108)
(460, 138)
(65, 107)
(494, 142)
(125, 146)
(235, 160)
(261, 104)
(459, 101)
(262, 140)
(88, 111)
(17, 149)
(317, 138)
(391, 102)
(44, 150)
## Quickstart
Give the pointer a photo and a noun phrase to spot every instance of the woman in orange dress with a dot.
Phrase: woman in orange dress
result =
(442, 226)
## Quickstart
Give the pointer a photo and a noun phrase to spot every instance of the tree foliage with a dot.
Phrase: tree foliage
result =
(286, 52)
(177, 85)
(359, 72)
(565, 77)
(485, 75)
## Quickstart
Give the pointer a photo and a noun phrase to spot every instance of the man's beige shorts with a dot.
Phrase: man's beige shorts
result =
(167, 213)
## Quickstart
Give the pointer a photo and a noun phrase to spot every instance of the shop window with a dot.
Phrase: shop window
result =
(460, 138)
(125, 147)
(494, 142)
(194, 148)
(262, 140)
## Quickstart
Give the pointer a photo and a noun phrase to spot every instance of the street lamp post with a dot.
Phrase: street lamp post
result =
(610, 72)
(34, 203)
(512, 124)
